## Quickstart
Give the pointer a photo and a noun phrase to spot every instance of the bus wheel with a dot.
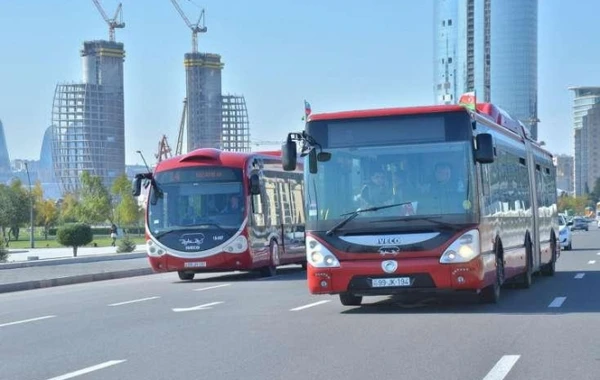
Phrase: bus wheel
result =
(348, 299)
(186, 276)
(271, 269)
(527, 277)
(550, 268)
(491, 294)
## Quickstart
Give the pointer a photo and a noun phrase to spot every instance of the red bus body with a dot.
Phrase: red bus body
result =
(501, 239)
(268, 232)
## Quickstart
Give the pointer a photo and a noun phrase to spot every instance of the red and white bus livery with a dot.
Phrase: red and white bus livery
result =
(211, 210)
(425, 199)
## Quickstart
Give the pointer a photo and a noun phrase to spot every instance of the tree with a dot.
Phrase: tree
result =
(18, 212)
(46, 215)
(95, 204)
(75, 235)
(69, 208)
(7, 208)
(3, 252)
(127, 210)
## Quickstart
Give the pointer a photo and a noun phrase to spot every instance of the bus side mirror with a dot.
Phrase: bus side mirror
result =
(289, 155)
(254, 184)
(484, 153)
(312, 161)
(136, 187)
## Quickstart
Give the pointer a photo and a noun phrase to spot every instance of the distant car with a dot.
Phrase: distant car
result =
(564, 234)
(579, 224)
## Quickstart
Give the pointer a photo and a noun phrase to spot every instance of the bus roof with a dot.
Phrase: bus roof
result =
(211, 156)
(382, 112)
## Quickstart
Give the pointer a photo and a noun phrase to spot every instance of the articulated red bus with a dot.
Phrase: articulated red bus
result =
(211, 210)
(425, 199)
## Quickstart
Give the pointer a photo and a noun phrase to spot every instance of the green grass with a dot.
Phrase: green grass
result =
(101, 241)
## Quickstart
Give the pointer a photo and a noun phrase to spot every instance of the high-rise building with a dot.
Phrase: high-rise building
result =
(88, 118)
(586, 125)
(46, 168)
(4, 158)
(203, 91)
(236, 126)
(491, 48)
(564, 172)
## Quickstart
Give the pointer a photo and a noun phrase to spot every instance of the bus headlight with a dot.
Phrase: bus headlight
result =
(238, 245)
(463, 249)
(318, 256)
(153, 249)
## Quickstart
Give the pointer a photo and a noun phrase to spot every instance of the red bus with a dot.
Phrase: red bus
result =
(212, 210)
(425, 199)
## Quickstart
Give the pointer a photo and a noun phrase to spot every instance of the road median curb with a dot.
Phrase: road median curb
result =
(70, 280)
(72, 260)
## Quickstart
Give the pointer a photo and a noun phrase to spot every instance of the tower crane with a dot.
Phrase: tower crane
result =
(112, 22)
(179, 147)
(164, 150)
(196, 28)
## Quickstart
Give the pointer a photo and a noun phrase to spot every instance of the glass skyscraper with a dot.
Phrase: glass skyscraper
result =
(491, 48)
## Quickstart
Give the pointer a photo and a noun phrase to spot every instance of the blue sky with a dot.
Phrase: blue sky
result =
(338, 54)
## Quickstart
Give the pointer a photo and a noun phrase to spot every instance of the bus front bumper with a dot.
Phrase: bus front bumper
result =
(366, 277)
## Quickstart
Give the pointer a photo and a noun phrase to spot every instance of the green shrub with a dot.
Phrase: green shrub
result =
(126, 245)
(74, 235)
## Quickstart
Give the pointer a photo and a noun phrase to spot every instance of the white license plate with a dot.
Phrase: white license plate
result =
(195, 264)
(385, 282)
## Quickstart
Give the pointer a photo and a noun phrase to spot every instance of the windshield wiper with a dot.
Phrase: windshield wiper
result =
(354, 214)
(158, 235)
(432, 219)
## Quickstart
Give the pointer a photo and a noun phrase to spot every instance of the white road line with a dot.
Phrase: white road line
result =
(557, 302)
(310, 305)
(592, 262)
(502, 368)
(211, 287)
(579, 276)
(134, 301)
(598, 253)
(27, 320)
(199, 307)
(93, 368)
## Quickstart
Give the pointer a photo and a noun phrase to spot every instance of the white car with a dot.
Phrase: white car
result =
(564, 234)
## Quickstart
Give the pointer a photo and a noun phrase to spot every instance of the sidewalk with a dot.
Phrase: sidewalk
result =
(45, 267)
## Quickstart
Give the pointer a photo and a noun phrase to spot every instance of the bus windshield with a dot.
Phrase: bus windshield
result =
(436, 178)
(206, 198)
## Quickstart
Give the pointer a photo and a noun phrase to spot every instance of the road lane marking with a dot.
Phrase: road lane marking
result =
(193, 308)
(557, 302)
(211, 287)
(27, 320)
(579, 276)
(592, 262)
(502, 368)
(93, 368)
(310, 305)
(598, 253)
(134, 301)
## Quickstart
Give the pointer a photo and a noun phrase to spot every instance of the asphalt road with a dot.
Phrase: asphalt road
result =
(240, 326)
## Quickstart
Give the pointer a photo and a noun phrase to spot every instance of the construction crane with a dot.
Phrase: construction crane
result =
(196, 28)
(164, 150)
(179, 148)
(112, 23)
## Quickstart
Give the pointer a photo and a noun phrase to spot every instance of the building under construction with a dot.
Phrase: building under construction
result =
(236, 126)
(203, 92)
(88, 118)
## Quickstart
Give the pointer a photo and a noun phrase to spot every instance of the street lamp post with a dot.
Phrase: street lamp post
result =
(31, 240)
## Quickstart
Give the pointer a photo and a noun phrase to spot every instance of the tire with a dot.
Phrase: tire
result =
(570, 246)
(271, 269)
(186, 276)
(526, 279)
(491, 294)
(550, 268)
(348, 299)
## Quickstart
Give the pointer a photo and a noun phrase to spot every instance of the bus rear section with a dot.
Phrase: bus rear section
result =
(199, 217)
(428, 199)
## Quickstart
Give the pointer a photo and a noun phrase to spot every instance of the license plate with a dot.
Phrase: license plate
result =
(195, 264)
(387, 282)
